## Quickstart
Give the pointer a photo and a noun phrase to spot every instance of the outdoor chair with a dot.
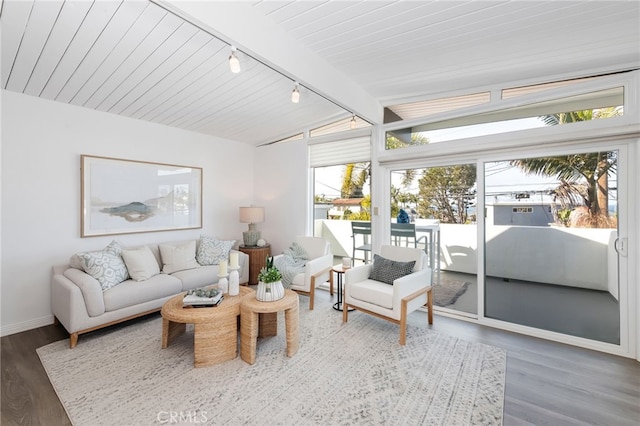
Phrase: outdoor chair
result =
(405, 234)
(360, 233)
(398, 295)
(316, 269)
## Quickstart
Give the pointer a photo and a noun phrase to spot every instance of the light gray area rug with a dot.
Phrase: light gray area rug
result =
(356, 373)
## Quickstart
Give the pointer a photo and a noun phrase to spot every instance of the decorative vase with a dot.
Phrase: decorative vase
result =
(234, 282)
(270, 292)
(223, 284)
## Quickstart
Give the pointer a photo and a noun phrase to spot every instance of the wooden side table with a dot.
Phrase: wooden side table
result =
(257, 260)
(261, 319)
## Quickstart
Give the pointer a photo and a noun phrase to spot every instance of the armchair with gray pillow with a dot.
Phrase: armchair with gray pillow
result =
(397, 283)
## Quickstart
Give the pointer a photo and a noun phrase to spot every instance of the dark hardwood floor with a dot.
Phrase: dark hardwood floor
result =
(27, 395)
(547, 383)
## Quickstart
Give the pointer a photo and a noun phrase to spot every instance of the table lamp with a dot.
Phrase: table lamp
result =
(251, 215)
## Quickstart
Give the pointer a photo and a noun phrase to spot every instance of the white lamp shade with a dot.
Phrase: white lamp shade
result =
(251, 214)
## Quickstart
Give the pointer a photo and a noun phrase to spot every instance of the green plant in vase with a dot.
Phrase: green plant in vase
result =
(270, 286)
(269, 273)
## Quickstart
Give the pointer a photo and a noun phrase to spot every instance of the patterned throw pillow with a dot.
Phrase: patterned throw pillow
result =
(106, 266)
(387, 270)
(211, 250)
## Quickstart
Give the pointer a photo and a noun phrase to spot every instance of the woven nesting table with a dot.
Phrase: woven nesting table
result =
(215, 336)
(260, 319)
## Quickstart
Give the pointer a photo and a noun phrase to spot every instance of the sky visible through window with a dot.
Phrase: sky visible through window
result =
(328, 180)
(502, 181)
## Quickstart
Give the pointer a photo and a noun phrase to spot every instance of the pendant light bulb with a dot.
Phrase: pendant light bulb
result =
(295, 95)
(352, 123)
(234, 62)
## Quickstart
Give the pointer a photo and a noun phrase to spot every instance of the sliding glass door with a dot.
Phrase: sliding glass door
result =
(439, 205)
(548, 229)
(551, 226)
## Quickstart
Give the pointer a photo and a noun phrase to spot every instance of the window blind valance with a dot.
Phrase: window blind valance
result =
(344, 151)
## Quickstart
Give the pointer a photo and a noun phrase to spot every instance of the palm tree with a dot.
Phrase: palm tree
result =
(352, 181)
(592, 168)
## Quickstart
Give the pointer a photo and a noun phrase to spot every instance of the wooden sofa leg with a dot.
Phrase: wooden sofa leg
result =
(430, 305)
(345, 311)
(73, 340)
(312, 293)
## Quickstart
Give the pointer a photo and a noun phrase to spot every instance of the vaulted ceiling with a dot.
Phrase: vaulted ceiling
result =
(167, 61)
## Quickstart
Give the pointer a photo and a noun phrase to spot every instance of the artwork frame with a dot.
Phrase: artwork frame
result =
(120, 196)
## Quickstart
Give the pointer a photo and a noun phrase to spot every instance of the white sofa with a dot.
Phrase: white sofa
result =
(81, 305)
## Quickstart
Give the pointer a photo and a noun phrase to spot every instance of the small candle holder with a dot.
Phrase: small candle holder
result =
(234, 282)
(223, 283)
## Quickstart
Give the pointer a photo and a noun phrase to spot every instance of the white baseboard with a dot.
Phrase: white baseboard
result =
(8, 329)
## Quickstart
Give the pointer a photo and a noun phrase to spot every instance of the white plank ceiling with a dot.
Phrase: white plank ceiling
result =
(135, 59)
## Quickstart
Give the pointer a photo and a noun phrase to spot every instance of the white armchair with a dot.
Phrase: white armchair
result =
(386, 301)
(316, 269)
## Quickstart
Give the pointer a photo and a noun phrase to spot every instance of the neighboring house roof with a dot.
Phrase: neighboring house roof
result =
(347, 201)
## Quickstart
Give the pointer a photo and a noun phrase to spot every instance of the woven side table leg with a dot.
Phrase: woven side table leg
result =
(248, 335)
(268, 324)
(291, 316)
(171, 330)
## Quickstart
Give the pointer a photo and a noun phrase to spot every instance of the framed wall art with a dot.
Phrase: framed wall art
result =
(125, 196)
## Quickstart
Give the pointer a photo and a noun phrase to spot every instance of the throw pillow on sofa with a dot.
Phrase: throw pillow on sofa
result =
(105, 265)
(178, 257)
(141, 263)
(211, 250)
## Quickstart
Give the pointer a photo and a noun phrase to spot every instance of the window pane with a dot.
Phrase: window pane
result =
(549, 256)
(440, 203)
(602, 104)
(341, 195)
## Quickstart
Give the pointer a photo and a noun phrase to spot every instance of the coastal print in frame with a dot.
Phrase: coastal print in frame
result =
(125, 196)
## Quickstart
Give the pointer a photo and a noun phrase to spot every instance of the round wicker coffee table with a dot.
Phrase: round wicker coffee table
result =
(261, 319)
(215, 337)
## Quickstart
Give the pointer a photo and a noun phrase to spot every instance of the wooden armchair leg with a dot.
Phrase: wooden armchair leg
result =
(403, 322)
(345, 311)
(430, 305)
(312, 293)
(330, 283)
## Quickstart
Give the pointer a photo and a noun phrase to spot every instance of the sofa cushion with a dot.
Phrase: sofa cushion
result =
(387, 270)
(141, 263)
(105, 265)
(178, 257)
(211, 250)
(130, 293)
(197, 277)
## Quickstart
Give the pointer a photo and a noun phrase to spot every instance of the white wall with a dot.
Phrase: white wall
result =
(41, 146)
(281, 182)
